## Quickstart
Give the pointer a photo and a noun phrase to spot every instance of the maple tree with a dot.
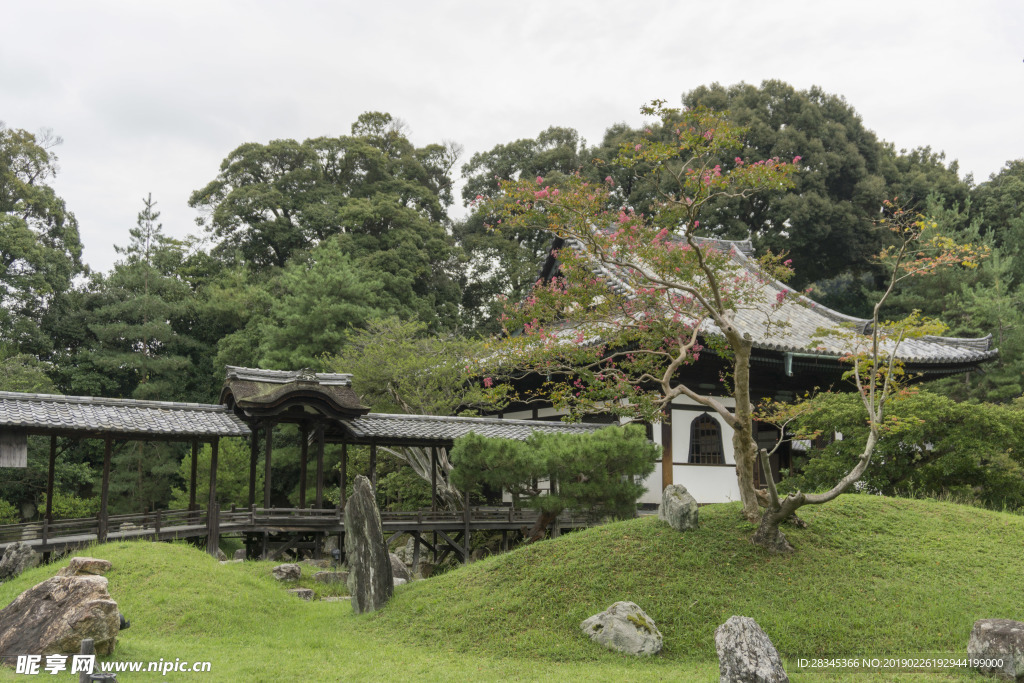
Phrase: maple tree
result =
(639, 296)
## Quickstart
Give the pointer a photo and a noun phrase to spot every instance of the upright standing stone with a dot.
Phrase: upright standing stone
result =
(746, 655)
(370, 581)
(678, 508)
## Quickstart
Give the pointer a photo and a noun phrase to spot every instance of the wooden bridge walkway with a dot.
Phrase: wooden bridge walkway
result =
(453, 529)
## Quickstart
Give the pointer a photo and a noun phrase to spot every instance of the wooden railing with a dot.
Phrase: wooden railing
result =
(195, 522)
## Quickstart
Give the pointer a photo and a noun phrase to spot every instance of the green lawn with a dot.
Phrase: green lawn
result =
(872, 577)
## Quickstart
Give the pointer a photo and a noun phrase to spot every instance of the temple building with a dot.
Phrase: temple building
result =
(788, 359)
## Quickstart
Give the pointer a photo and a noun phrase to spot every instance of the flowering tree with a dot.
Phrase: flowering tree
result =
(640, 295)
(618, 349)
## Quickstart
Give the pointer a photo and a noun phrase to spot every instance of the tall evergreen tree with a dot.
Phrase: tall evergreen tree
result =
(40, 250)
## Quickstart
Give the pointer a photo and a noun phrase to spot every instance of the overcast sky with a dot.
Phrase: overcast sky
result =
(151, 96)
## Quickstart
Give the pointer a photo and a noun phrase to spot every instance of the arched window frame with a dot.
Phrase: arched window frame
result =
(706, 441)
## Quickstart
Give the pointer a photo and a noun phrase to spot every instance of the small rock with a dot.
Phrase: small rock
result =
(302, 593)
(319, 564)
(239, 554)
(746, 655)
(17, 558)
(287, 572)
(53, 617)
(335, 598)
(626, 628)
(331, 577)
(220, 555)
(998, 639)
(79, 566)
(398, 568)
(400, 582)
(678, 508)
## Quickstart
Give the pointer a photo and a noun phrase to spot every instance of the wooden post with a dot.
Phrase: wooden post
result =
(319, 466)
(433, 478)
(303, 455)
(213, 509)
(156, 526)
(666, 453)
(343, 490)
(269, 446)
(373, 466)
(49, 478)
(254, 454)
(465, 524)
(193, 475)
(88, 647)
(101, 536)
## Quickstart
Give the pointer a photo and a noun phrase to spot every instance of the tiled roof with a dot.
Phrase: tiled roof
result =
(396, 427)
(286, 376)
(795, 322)
(117, 416)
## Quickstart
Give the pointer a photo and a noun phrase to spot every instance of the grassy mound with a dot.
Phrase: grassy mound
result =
(871, 577)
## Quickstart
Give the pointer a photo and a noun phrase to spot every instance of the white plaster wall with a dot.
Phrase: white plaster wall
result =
(706, 483)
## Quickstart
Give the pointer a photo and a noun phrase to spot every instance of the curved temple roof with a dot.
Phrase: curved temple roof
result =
(796, 321)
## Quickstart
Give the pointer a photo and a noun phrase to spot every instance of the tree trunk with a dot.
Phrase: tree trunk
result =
(744, 446)
(540, 528)
(769, 536)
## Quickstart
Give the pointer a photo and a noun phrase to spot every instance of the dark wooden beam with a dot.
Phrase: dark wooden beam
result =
(104, 492)
(666, 452)
(343, 478)
(193, 476)
(319, 466)
(213, 508)
(303, 456)
(269, 447)
(465, 522)
(49, 478)
(254, 453)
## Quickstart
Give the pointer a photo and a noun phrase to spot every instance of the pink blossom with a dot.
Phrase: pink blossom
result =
(780, 297)
(788, 262)
(488, 382)
(637, 148)
(608, 179)
(539, 180)
(797, 159)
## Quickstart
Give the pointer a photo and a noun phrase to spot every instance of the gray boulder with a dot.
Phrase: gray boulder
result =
(1000, 642)
(746, 655)
(302, 593)
(84, 566)
(331, 577)
(17, 558)
(626, 628)
(239, 554)
(287, 572)
(398, 568)
(678, 508)
(370, 579)
(53, 617)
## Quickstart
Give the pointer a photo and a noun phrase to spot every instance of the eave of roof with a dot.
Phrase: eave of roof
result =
(801, 318)
(127, 418)
(399, 429)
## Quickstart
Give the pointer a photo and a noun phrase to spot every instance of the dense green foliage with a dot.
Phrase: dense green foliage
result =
(934, 446)
(601, 473)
